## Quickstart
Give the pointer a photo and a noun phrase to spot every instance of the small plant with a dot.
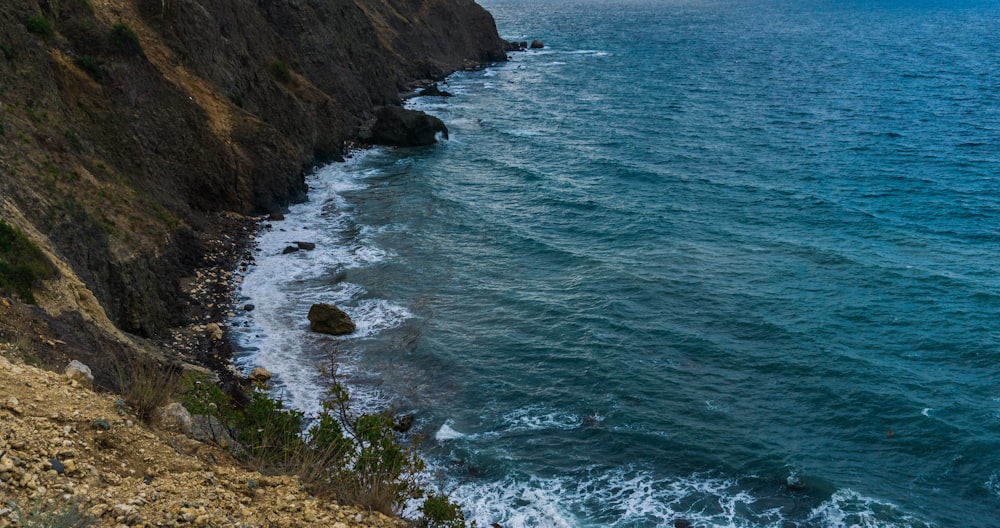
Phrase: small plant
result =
(100, 423)
(124, 40)
(91, 65)
(120, 406)
(146, 384)
(52, 515)
(39, 25)
(279, 70)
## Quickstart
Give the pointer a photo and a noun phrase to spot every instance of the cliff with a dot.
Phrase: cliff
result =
(126, 126)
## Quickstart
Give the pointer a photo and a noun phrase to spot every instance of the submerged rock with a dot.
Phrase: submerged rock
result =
(400, 127)
(308, 246)
(289, 249)
(328, 319)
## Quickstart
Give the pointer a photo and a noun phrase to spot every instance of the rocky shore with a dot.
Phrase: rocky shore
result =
(141, 142)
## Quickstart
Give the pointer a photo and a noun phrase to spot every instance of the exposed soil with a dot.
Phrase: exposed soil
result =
(62, 444)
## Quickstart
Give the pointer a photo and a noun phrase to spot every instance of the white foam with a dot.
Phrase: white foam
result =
(926, 411)
(849, 509)
(283, 286)
(446, 433)
(537, 418)
(993, 484)
(373, 316)
(627, 497)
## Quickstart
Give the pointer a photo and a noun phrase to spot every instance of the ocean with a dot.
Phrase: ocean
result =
(728, 262)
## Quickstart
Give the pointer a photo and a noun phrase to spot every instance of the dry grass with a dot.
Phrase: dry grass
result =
(145, 383)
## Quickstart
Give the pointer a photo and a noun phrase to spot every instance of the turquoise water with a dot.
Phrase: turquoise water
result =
(729, 262)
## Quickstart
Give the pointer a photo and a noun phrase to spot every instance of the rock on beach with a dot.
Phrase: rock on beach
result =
(328, 319)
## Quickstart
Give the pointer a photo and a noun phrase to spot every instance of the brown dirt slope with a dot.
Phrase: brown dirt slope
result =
(63, 445)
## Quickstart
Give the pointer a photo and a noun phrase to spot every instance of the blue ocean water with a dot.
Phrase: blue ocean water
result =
(723, 261)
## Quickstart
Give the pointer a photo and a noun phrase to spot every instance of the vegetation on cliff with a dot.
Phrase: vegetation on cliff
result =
(22, 264)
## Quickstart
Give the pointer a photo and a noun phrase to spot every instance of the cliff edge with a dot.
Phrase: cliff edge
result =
(125, 125)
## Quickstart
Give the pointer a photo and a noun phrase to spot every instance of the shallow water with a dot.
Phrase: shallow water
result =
(731, 262)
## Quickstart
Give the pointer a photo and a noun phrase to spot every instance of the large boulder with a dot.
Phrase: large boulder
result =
(400, 127)
(173, 417)
(210, 430)
(328, 319)
(79, 373)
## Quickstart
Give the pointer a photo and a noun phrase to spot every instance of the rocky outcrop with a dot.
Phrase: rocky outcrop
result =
(401, 127)
(328, 319)
(126, 123)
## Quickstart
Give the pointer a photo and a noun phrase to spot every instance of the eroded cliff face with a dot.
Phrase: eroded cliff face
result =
(123, 123)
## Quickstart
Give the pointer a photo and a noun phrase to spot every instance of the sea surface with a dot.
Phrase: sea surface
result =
(733, 262)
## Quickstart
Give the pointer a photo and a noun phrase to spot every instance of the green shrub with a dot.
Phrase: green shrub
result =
(40, 26)
(22, 264)
(354, 459)
(280, 72)
(124, 40)
(269, 434)
(440, 512)
(91, 65)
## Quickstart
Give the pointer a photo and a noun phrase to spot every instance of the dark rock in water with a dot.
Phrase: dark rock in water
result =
(523, 44)
(290, 249)
(308, 246)
(404, 424)
(794, 484)
(399, 127)
(514, 46)
(434, 91)
(328, 319)
(248, 307)
(682, 523)
(275, 217)
(537, 44)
